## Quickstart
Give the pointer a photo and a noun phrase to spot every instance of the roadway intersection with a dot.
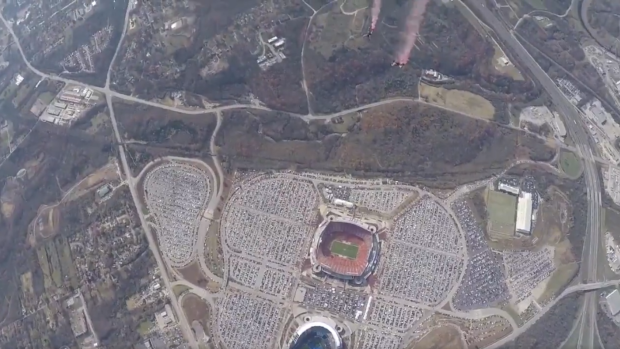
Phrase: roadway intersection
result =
(580, 136)
(574, 123)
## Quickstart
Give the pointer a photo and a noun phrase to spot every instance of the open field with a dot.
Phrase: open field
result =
(69, 272)
(509, 69)
(612, 223)
(46, 97)
(195, 309)
(28, 298)
(193, 274)
(331, 30)
(105, 174)
(213, 249)
(179, 289)
(558, 280)
(570, 164)
(343, 249)
(45, 268)
(445, 337)
(145, 327)
(353, 5)
(462, 101)
(47, 222)
(56, 270)
(502, 210)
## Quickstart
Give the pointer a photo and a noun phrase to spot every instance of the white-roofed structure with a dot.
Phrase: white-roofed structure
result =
(524, 213)
(508, 189)
(613, 302)
(318, 330)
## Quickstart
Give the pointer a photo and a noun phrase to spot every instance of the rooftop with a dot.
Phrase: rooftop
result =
(613, 301)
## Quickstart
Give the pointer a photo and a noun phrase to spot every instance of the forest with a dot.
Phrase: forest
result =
(406, 141)
(552, 329)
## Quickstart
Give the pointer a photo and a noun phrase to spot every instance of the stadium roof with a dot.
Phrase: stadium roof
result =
(309, 326)
(508, 189)
(524, 213)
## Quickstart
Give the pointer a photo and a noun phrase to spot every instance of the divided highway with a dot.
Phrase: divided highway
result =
(573, 121)
(580, 136)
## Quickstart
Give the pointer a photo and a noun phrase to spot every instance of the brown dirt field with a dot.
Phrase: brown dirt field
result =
(193, 274)
(99, 177)
(446, 337)
(463, 101)
(195, 309)
(47, 222)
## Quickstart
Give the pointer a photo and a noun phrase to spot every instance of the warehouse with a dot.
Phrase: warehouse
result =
(524, 213)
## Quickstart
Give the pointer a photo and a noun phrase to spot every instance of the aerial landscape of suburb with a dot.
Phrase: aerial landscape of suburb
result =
(309, 174)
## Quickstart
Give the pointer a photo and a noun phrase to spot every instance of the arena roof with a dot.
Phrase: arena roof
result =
(524, 213)
(301, 341)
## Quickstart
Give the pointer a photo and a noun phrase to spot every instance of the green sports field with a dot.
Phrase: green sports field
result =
(344, 250)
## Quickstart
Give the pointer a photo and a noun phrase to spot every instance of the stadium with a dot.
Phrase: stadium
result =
(321, 334)
(345, 249)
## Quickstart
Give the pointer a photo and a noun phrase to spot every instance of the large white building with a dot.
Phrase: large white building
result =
(524, 213)
(508, 189)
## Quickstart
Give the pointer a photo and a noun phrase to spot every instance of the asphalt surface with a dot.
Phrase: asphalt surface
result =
(573, 121)
(581, 138)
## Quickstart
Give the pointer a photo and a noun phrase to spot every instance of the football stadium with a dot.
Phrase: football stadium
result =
(316, 335)
(345, 249)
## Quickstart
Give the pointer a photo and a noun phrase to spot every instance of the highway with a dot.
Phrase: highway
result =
(581, 138)
(183, 324)
(163, 270)
(573, 122)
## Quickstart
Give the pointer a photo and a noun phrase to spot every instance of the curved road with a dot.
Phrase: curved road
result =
(565, 108)
(581, 138)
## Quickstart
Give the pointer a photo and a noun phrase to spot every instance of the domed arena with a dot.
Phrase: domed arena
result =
(316, 335)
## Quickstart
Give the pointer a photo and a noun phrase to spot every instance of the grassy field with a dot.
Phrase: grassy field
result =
(45, 268)
(460, 101)
(612, 223)
(502, 209)
(558, 281)
(46, 97)
(179, 289)
(54, 263)
(145, 327)
(353, 5)
(66, 262)
(570, 164)
(440, 337)
(509, 70)
(343, 249)
(333, 30)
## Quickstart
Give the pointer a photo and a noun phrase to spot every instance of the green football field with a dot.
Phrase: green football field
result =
(345, 250)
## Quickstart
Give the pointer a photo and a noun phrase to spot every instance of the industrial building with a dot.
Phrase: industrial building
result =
(613, 303)
(558, 126)
(524, 213)
(60, 105)
(52, 110)
(509, 189)
(278, 43)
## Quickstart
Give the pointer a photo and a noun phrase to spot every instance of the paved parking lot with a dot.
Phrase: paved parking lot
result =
(427, 232)
(248, 322)
(372, 339)
(176, 196)
(484, 283)
(526, 269)
(393, 315)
